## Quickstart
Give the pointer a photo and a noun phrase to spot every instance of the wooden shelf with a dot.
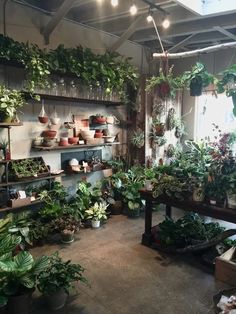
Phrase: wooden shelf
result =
(4, 209)
(10, 183)
(107, 103)
(43, 148)
(8, 125)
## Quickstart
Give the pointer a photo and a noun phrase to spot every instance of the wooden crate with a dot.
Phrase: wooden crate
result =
(225, 269)
(19, 202)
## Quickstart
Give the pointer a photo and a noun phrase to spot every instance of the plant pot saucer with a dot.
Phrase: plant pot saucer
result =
(67, 242)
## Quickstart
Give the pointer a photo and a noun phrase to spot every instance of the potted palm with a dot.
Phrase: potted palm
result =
(97, 213)
(19, 274)
(55, 283)
(10, 101)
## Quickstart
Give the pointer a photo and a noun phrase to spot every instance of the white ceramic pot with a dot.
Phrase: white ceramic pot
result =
(148, 185)
(95, 223)
(231, 200)
(198, 194)
(74, 162)
(87, 134)
(55, 120)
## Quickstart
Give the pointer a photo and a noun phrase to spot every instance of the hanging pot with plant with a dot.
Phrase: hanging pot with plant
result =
(138, 138)
(158, 127)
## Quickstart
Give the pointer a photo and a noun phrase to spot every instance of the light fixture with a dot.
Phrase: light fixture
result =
(133, 9)
(114, 3)
(149, 17)
(166, 23)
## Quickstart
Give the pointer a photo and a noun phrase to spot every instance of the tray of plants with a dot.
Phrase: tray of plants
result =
(225, 301)
(27, 168)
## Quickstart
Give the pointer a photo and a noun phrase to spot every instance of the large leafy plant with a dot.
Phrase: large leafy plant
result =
(59, 275)
(18, 273)
(10, 101)
(97, 212)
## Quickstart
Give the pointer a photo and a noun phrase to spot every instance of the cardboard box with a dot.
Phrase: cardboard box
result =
(225, 269)
(19, 202)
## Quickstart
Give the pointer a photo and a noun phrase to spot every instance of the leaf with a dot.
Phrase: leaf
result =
(27, 281)
(40, 264)
(24, 261)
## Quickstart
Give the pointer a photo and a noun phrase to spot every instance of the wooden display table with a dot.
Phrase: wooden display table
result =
(225, 214)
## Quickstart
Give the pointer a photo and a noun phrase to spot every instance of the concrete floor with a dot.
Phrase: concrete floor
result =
(129, 278)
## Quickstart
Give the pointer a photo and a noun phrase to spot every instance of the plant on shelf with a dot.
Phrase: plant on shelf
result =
(197, 79)
(227, 84)
(97, 213)
(138, 138)
(230, 183)
(19, 274)
(170, 186)
(158, 127)
(10, 101)
(56, 282)
(166, 84)
(188, 230)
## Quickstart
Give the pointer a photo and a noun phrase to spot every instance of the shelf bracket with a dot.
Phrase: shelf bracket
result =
(56, 19)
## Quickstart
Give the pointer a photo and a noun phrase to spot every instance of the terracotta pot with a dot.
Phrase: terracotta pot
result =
(98, 134)
(43, 119)
(49, 133)
(73, 140)
(63, 142)
(99, 120)
(160, 129)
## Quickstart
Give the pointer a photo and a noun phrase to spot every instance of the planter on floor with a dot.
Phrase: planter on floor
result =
(116, 208)
(57, 300)
(19, 304)
(96, 224)
(67, 236)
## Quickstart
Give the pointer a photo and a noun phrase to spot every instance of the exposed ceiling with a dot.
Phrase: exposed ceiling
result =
(188, 30)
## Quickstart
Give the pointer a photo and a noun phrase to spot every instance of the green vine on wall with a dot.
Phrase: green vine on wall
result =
(110, 70)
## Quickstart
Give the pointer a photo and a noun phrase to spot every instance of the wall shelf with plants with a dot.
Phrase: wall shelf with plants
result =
(52, 148)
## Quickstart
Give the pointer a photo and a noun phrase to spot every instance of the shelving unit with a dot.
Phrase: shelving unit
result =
(43, 148)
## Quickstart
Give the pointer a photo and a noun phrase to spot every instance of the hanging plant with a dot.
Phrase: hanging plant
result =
(197, 79)
(138, 138)
(227, 84)
(170, 121)
(158, 127)
(179, 128)
(165, 85)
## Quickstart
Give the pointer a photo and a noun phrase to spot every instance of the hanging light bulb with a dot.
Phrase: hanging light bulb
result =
(114, 3)
(149, 17)
(133, 9)
(166, 23)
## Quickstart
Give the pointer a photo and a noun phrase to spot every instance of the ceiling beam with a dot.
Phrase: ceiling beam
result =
(225, 32)
(188, 28)
(181, 43)
(127, 34)
(56, 19)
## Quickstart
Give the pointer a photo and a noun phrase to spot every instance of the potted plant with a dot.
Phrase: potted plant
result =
(55, 283)
(227, 84)
(19, 274)
(138, 138)
(10, 101)
(165, 84)
(98, 119)
(97, 213)
(158, 127)
(150, 175)
(231, 190)
(67, 225)
(197, 79)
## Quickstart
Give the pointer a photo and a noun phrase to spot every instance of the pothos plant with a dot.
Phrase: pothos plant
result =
(165, 83)
(10, 101)
(227, 84)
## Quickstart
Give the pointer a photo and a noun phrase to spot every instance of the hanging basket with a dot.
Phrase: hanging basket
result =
(196, 87)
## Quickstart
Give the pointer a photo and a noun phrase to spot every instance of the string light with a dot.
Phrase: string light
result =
(166, 23)
(114, 3)
(133, 9)
(149, 17)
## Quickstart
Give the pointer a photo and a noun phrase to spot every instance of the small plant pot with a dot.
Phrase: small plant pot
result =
(96, 224)
(63, 142)
(73, 140)
(160, 129)
(116, 208)
(57, 300)
(67, 236)
(148, 185)
(133, 213)
(98, 135)
(195, 87)
(212, 202)
(20, 304)
(5, 118)
(43, 119)
(198, 194)
(49, 133)
(231, 200)
(99, 120)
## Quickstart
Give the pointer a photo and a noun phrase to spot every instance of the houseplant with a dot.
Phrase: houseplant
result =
(19, 274)
(10, 101)
(138, 138)
(55, 283)
(197, 78)
(96, 213)
(67, 225)
(227, 84)
(165, 84)
(231, 190)
(132, 198)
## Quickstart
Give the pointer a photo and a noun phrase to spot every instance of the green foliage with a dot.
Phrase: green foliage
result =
(138, 138)
(186, 231)
(59, 275)
(10, 101)
(97, 212)
(171, 186)
(198, 73)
